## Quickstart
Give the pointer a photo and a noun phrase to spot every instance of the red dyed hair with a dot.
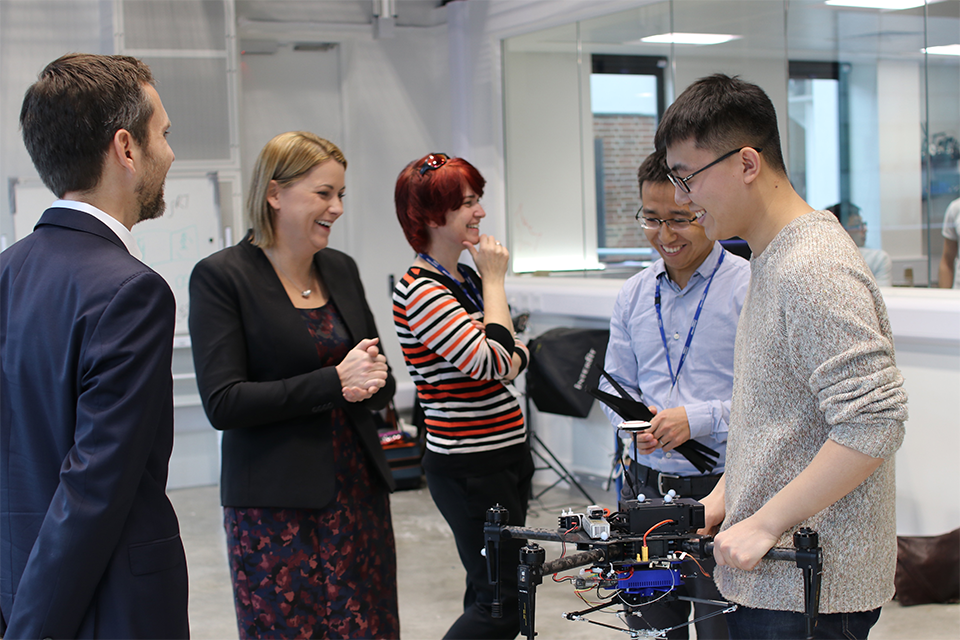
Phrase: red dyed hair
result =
(429, 197)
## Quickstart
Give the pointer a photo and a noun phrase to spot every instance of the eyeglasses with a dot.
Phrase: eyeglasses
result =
(434, 161)
(681, 183)
(674, 224)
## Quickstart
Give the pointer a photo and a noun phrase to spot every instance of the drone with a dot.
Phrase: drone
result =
(634, 553)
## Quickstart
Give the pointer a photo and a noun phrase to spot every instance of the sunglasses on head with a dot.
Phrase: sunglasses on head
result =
(434, 161)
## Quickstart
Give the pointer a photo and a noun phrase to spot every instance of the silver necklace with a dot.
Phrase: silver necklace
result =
(303, 292)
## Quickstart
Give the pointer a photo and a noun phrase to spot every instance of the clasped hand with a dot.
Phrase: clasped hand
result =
(363, 371)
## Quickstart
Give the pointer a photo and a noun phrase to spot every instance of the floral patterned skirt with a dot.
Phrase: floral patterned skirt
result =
(318, 573)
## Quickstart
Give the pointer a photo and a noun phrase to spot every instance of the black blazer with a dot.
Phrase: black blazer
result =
(262, 384)
(90, 543)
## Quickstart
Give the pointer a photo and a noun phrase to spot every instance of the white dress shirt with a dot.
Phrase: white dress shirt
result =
(126, 237)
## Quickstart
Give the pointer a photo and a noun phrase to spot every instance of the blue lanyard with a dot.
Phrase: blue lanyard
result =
(469, 289)
(693, 327)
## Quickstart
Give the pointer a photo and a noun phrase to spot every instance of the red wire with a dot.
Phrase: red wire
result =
(563, 552)
(662, 522)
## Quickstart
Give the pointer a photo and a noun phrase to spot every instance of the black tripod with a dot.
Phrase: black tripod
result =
(542, 451)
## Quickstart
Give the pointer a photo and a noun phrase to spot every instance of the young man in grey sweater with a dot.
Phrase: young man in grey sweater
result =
(818, 405)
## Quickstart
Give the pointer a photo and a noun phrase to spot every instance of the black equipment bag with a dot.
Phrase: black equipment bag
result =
(562, 369)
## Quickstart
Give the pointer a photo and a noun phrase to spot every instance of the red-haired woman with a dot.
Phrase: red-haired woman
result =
(457, 338)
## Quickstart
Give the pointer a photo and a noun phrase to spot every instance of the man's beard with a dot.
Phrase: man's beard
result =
(151, 205)
(150, 202)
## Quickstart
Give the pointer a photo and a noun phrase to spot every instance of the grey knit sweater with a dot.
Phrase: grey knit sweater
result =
(814, 359)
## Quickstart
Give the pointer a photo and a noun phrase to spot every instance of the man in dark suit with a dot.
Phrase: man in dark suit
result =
(89, 543)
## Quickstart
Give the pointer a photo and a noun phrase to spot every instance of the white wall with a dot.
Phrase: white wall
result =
(898, 102)
(542, 119)
(268, 106)
(927, 473)
(865, 148)
(32, 34)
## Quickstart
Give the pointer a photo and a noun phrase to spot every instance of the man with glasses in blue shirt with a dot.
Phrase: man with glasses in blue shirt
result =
(671, 347)
(818, 403)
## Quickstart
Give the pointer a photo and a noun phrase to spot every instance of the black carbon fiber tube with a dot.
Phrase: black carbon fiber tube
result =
(571, 562)
(528, 533)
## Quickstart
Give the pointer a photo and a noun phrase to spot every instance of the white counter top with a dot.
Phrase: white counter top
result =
(928, 315)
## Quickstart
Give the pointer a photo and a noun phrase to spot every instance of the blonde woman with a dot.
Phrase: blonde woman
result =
(289, 368)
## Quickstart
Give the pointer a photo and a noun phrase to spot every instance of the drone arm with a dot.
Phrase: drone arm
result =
(808, 556)
(574, 561)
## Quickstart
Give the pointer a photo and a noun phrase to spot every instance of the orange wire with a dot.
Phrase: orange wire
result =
(697, 562)
(662, 522)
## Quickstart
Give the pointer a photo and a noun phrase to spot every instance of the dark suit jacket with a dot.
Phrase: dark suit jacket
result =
(262, 384)
(89, 544)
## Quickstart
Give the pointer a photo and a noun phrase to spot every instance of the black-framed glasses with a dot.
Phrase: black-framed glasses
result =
(654, 224)
(434, 161)
(681, 183)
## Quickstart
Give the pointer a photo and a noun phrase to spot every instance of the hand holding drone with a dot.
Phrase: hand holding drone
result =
(636, 553)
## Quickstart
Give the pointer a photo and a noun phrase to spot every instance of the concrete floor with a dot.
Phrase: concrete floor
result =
(431, 578)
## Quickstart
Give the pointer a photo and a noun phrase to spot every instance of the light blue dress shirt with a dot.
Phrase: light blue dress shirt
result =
(636, 359)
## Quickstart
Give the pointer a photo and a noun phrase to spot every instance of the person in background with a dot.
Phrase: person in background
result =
(949, 265)
(458, 342)
(90, 545)
(696, 289)
(877, 259)
(289, 368)
(818, 406)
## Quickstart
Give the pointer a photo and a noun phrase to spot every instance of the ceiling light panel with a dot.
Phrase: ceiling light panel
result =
(689, 38)
(891, 5)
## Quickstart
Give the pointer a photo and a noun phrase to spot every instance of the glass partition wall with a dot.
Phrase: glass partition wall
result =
(869, 115)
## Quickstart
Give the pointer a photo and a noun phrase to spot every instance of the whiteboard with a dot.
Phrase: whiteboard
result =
(188, 231)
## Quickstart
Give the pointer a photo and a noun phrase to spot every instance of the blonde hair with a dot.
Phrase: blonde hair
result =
(286, 159)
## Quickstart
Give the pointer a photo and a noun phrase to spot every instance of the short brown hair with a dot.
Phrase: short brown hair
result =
(72, 112)
(286, 159)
